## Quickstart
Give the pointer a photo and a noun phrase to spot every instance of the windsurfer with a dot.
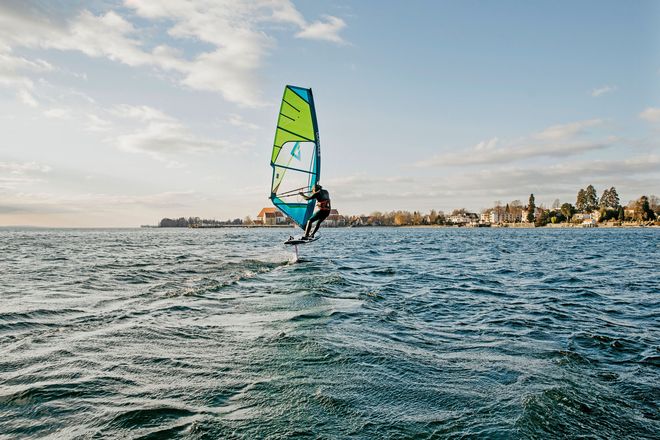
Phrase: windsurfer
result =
(322, 197)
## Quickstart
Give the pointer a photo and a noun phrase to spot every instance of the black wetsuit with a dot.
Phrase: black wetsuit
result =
(323, 203)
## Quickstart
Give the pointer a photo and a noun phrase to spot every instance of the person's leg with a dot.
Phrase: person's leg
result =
(308, 227)
(322, 215)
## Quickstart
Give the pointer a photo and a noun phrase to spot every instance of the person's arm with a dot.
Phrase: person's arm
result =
(312, 196)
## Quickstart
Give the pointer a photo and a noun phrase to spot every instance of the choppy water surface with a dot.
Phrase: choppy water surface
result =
(377, 333)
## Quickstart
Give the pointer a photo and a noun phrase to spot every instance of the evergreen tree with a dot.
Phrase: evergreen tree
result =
(609, 199)
(621, 214)
(581, 201)
(614, 198)
(604, 198)
(531, 209)
(591, 199)
(645, 208)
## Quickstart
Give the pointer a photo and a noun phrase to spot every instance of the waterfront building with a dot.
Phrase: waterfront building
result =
(271, 216)
(335, 219)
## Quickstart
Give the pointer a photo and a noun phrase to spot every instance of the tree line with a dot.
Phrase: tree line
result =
(196, 222)
(607, 206)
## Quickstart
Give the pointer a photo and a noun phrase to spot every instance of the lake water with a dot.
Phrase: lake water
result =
(379, 333)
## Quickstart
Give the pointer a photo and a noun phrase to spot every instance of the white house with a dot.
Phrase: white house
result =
(335, 219)
(271, 216)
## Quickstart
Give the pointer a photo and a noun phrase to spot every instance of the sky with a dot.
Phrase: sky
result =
(120, 113)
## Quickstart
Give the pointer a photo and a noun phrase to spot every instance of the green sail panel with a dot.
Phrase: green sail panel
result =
(296, 155)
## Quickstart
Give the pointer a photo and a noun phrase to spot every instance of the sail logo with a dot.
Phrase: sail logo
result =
(295, 151)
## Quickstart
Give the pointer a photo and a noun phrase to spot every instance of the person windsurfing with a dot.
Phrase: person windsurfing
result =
(322, 197)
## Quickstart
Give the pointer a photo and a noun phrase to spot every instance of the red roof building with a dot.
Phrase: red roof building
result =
(271, 216)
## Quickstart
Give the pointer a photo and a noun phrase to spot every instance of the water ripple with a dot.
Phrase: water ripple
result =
(374, 333)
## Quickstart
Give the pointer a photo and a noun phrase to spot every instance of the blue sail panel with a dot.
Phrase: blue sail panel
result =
(303, 93)
(298, 212)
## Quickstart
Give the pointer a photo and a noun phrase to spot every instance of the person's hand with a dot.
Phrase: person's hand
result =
(301, 193)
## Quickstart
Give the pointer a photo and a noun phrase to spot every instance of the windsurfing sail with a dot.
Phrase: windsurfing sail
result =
(296, 156)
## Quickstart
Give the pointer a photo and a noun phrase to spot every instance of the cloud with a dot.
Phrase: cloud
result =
(238, 121)
(12, 74)
(364, 187)
(21, 168)
(142, 113)
(95, 203)
(162, 136)
(568, 174)
(231, 38)
(602, 90)
(362, 179)
(479, 188)
(564, 131)
(651, 114)
(27, 98)
(15, 174)
(324, 30)
(554, 141)
(58, 113)
(98, 124)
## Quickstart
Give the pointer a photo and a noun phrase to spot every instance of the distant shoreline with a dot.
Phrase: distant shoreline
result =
(504, 226)
(558, 226)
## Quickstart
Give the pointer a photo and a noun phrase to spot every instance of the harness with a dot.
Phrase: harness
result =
(323, 205)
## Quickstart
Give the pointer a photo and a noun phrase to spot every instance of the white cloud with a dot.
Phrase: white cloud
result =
(479, 188)
(58, 113)
(235, 32)
(238, 121)
(15, 174)
(142, 113)
(602, 90)
(233, 28)
(21, 168)
(324, 30)
(98, 124)
(27, 98)
(564, 131)
(555, 141)
(363, 187)
(12, 74)
(651, 114)
(94, 203)
(570, 174)
(9, 64)
(362, 179)
(486, 145)
(162, 136)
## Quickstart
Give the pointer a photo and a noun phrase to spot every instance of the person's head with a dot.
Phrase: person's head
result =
(317, 187)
